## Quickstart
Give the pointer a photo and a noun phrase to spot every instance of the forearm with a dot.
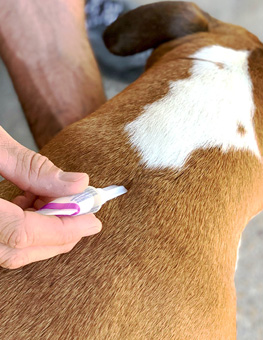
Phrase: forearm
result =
(44, 46)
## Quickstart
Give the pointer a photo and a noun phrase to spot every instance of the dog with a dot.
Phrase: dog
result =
(186, 140)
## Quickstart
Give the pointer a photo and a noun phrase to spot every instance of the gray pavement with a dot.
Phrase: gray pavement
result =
(249, 275)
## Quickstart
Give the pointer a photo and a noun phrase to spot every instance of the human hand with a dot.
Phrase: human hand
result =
(26, 236)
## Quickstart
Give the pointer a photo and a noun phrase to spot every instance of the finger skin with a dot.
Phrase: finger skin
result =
(34, 173)
(22, 229)
(25, 201)
(11, 258)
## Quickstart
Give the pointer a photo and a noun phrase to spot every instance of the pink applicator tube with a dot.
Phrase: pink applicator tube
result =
(89, 201)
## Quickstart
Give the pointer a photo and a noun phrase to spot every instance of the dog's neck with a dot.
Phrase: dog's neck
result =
(213, 107)
(203, 129)
(202, 211)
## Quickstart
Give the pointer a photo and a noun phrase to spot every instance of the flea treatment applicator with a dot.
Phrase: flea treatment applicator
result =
(89, 201)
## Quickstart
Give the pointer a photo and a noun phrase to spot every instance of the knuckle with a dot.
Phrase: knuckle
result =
(38, 162)
(68, 247)
(32, 164)
(14, 238)
(67, 239)
(18, 237)
(11, 231)
(16, 260)
(68, 236)
(23, 160)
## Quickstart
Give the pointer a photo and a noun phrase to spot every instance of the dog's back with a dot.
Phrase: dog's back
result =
(163, 265)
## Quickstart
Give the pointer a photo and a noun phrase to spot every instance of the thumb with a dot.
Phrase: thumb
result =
(33, 172)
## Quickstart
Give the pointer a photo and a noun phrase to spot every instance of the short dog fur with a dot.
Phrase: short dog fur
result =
(186, 140)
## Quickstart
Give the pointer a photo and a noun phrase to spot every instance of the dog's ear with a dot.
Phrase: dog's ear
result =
(150, 25)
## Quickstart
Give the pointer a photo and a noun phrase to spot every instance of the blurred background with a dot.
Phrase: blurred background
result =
(117, 74)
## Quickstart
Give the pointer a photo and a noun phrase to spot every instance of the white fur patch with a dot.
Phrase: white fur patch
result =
(202, 111)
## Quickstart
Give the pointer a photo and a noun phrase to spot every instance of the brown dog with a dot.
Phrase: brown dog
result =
(186, 140)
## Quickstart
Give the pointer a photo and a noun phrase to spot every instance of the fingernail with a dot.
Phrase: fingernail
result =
(71, 176)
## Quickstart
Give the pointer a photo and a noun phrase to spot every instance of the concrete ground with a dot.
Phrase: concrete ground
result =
(249, 275)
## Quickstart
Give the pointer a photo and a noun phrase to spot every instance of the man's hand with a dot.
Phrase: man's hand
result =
(26, 236)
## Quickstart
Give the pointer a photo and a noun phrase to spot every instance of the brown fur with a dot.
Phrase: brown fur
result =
(163, 265)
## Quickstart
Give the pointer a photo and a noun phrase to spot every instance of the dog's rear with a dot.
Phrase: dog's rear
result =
(186, 140)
